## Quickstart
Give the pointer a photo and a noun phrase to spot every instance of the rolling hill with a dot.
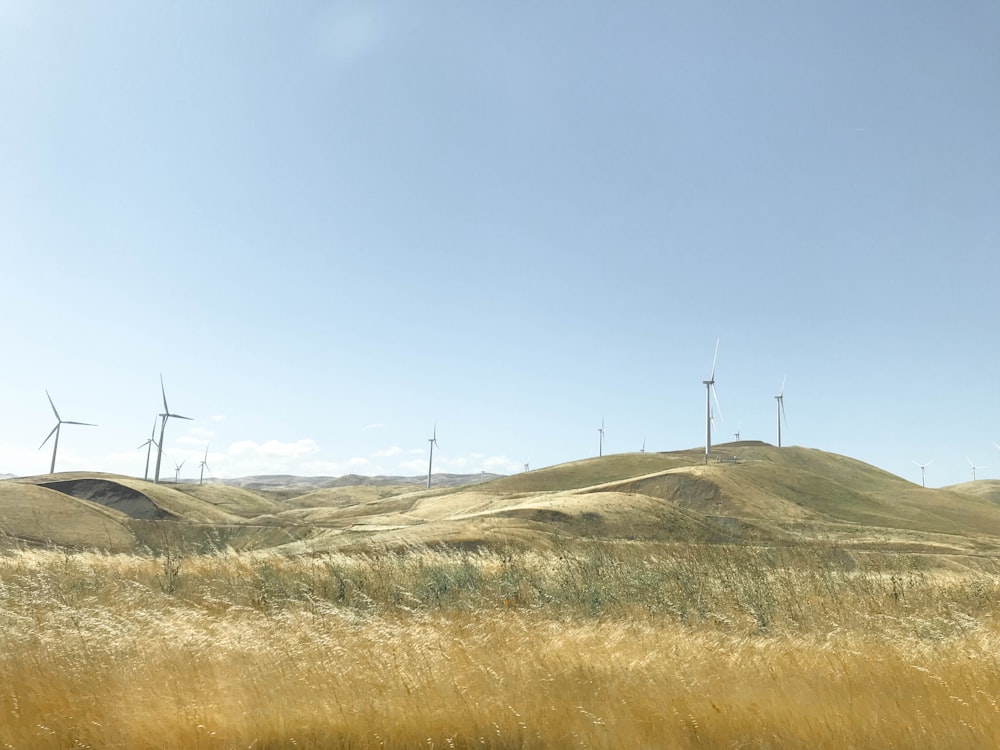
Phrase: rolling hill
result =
(750, 493)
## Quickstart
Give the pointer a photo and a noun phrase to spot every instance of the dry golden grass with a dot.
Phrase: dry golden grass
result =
(606, 646)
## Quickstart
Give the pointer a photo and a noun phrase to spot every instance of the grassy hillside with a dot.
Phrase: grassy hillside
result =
(37, 515)
(750, 492)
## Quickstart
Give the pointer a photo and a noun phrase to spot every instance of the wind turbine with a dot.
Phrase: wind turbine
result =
(204, 465)
(148, 445)
(709, 393)
(643, 446)
(163, 426)
(55, 431)
(177, 471)
(526, 466)
(600, 445)
(780, 404)
(737, 433)
(430, 463)
(923, 467)
(974, 467)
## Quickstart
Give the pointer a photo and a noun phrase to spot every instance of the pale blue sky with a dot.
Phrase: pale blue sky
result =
(330, 225)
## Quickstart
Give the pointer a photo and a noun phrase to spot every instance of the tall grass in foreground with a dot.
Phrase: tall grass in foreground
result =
(604, 647)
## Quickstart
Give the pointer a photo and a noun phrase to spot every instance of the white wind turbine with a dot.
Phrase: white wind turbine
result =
(55, 431)
(923, 468)
(709, 393)
(430, 463)
(600, 445)
(177, 471)
(737, 433)
(204, 465)
(163, 426)
(780, 403)
(148, 445)
(974, 467)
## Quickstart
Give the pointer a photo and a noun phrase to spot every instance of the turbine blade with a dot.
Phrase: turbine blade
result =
(178, 416)
(782, 391)
(53, 407)
(718, 407)
(85, 424)
(163, 391)
(54, 429)
(781, 403)
(715, 359)
(929, 462)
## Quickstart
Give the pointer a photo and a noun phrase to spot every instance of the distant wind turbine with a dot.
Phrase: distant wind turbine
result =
(55, 431)
(737, 433)
(163, 426)
(780, 404)
(643, 446)
(709, 393)
(526, 466)
(148, 445)
(204, 465)
(974, 467)
(600, 445)
(923, 468)
(430, 463)
(177, 471)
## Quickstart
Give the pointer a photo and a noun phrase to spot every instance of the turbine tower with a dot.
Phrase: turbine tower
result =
(55, 431)
(148, 445)
(923, 468)
(600, 445)
(163, 426)
(709, 393)
(204, 465)
(780, 403)
(974, 467)
(430, 463)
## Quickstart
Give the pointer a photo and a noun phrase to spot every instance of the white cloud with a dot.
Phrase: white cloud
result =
(273, 449)
(413, 465)
(192, 439)
(246, 457)
(387, 452)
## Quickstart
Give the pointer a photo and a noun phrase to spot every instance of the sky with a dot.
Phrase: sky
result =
(336, 227)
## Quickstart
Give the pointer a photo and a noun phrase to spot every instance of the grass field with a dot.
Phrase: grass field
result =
(595, 645)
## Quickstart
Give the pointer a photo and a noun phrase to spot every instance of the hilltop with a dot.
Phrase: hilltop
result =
(750, 492)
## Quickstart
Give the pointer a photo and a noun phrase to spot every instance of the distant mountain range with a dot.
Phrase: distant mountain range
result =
(288, 481)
